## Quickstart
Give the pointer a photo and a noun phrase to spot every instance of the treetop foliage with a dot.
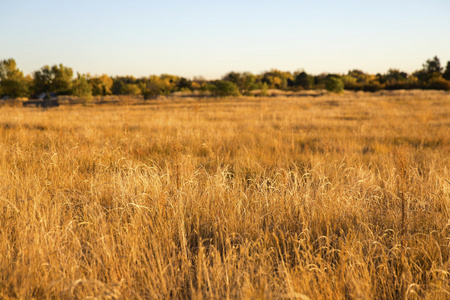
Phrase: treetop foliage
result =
(59, 79)
(82, 89)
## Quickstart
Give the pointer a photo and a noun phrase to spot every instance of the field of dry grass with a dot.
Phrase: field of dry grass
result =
(326, 197)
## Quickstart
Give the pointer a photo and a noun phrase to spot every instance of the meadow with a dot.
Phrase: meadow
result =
(305, 197)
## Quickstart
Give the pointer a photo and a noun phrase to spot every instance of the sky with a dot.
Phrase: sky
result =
(212, 38)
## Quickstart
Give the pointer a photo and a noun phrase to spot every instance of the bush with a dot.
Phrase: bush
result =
(353, 86)
(334, 84)
(372, 87)
(82, 89)
(397, 85)
(226, 88)
(304, 81)
(438, 84)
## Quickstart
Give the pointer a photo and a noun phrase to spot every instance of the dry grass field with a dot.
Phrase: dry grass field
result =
(330, 197)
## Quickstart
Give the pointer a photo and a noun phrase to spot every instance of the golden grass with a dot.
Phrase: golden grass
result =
(306, 197)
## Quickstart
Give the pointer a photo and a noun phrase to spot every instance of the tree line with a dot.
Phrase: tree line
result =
(60, 79)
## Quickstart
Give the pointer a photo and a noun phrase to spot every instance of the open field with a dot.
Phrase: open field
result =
(326, 197)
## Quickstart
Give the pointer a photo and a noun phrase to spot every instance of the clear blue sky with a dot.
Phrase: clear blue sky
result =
(210, 38)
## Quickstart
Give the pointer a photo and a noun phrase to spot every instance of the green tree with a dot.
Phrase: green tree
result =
(150, 89)
(56, 79)
(431, 69)
(304, 81)
(154, 85)
(334, 84)
(225, 88)
(319, 80)
(358, 75)
(42, 81)
(394, 75)
(117, 86)
(184, 84)
(393, 80)
(131, 89)
(446, 74)
(101, 85)
(248, 83)
(82, 89)
(276, 79)
(245, 82)
(12, 81)
(351, 83)
(62, 80)
(264, 89)
(232, 76)
(432, 66)
(438, 84)
(168, 83)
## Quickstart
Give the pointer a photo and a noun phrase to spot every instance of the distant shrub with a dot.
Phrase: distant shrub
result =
(396, 85)
(372, 87)
(304, 81)
(334, 84)
(353, 86)
(226, 88)
(131, 90)
(81, 89)
(264, 89)
(207, 88)
(446, 74)
(438, 84)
